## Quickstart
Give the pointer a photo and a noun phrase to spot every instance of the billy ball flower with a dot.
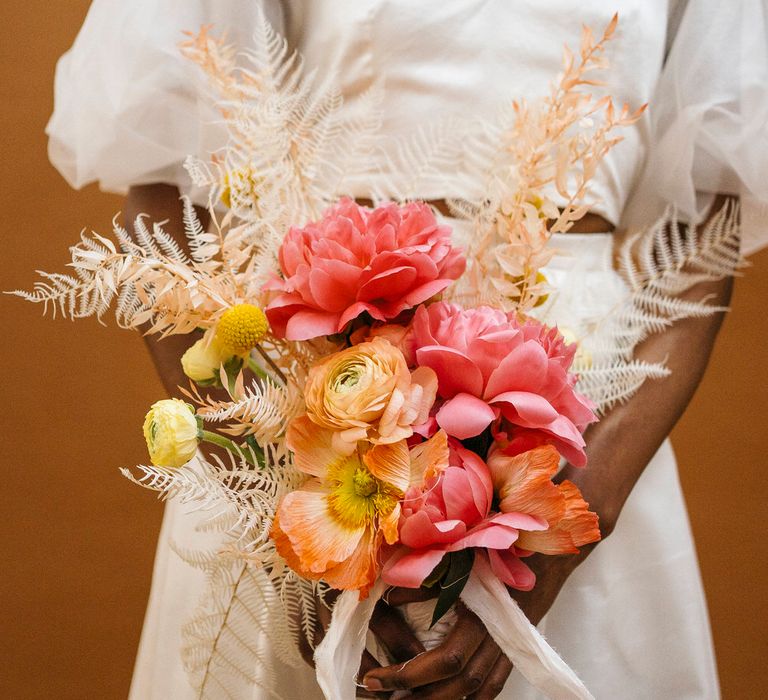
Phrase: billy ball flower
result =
(170, 430)
(241, 328)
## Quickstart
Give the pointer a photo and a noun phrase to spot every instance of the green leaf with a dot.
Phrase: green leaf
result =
(437, 573)
(459, 568)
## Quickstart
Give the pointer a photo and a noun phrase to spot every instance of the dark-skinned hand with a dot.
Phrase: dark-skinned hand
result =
(468, 663)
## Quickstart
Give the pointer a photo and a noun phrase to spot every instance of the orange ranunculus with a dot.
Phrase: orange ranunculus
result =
(332, 527)
(523, 484)
(366, 392)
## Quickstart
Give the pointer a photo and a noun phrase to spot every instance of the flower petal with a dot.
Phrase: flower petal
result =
(511, 570)
(418, 531)
(429, 459)
(311, 445)
(465, 416)
(309, 323)
(523, 369)
(391, 464)
(316, 537)
(411, 568)
(456, 373)
(523, 483)
(528, 410)
(577, 527)
(359, 571)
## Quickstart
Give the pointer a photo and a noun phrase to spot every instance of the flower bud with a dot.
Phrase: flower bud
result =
(201, 362)
(170, 430)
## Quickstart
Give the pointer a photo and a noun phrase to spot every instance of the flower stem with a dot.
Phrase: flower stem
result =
(256, 369)
(271, 363)
(253, 455)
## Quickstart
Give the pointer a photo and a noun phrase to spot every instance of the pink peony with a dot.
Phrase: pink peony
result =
(355, 260)
(489, 365)
(451, 512)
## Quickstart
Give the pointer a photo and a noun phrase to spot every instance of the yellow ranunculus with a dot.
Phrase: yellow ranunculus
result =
(201, 361)
(366, 392)
(170, 430)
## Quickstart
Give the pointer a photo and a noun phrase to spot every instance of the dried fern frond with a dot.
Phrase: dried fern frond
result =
(223, 644)
(657, 264)
(533, 148)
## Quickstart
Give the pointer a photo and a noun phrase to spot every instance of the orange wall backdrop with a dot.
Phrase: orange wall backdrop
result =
(78, 540)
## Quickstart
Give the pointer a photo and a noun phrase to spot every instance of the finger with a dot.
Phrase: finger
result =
(444, 661)
(400, 596)
(469, 681)
(368, 663)
(495, 681)
(389, 627)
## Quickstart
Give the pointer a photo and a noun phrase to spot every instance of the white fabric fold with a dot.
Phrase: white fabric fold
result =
(486, 596)
(337, 657)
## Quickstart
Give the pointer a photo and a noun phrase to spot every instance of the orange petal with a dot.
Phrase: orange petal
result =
(317, 538)
(523, 483)
(388, 525)
(577, 527)
(359, 571)
(312, 446)
(429, 458)
(390, 463)
(426, 378)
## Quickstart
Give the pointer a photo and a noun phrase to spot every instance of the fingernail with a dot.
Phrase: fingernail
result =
(372, 684)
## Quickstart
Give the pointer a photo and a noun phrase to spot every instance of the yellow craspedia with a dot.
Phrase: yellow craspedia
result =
(241, 328)
(170, 430)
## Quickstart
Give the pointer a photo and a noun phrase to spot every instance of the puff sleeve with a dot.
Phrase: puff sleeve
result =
(709, 117)
(128, 107)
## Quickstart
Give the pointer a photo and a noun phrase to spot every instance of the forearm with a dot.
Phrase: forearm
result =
(620, 446)
(161, 203)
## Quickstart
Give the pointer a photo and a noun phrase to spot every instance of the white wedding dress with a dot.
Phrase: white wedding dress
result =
(632, 620)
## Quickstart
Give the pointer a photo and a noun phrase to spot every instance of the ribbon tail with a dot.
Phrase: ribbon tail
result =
(487, 597)
(337, 657)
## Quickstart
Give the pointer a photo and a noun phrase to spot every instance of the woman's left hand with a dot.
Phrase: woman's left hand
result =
(469, 663)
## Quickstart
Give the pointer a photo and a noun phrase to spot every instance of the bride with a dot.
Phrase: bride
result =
(628, 614)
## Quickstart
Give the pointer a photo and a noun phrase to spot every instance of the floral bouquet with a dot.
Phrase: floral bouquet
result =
(390, 409)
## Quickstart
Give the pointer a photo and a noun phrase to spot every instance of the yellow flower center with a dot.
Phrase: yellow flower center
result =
(241, 328)
(357, 497)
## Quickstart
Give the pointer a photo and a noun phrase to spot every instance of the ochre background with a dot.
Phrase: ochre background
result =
(78, 540)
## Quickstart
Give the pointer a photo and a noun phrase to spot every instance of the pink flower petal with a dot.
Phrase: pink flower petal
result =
(456, 373)
(465, 416)
(511, 570)
(390, 284)
(489, 535)
(418, 531)
(528, 410)
(309, 323)
(411, 568)
(523, 369)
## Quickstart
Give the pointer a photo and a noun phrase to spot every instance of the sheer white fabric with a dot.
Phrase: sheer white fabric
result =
(128, 107)
(709, 115)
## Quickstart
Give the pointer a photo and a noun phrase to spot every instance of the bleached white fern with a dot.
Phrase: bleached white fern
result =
(263, 410)
(657, 264)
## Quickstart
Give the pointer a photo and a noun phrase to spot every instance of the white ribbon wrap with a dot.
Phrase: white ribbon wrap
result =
(337, 657)
(487, 597)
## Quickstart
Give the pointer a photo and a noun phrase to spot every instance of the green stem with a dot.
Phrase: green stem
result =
(253, 458)
(256, 369)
